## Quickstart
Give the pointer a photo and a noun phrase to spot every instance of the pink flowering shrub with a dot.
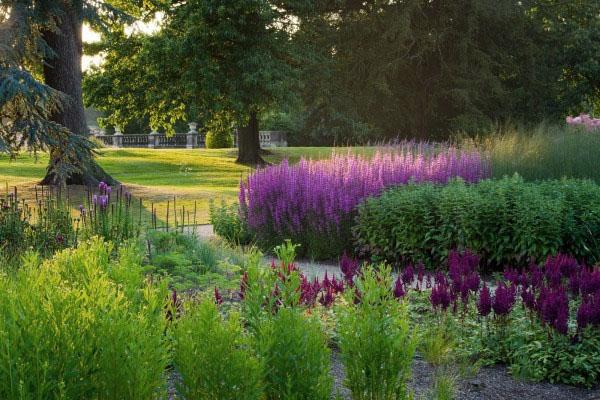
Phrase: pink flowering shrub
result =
(314, 202)
(584, 120)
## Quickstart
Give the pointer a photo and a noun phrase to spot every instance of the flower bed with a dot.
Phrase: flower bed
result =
(314, 202)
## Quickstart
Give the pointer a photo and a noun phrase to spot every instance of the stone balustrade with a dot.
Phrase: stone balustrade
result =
(192, 139)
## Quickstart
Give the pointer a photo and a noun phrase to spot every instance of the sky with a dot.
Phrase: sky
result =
(90, 36)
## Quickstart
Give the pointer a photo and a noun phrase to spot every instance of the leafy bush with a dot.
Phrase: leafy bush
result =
(315, 199)
(219, 132)
(505, 221)
(213, 356)
(227, 223)
(294, 351)
(82, 327)
(376, 342)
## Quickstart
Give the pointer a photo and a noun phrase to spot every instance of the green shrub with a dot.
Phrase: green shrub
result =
(214, 358)
(294, 351)
(219, 132)
(82, 327)
(506, 221)
(376, 343)
(227, 223)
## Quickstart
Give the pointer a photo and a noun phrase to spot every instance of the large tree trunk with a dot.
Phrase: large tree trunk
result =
(249, 143)
(62, 71)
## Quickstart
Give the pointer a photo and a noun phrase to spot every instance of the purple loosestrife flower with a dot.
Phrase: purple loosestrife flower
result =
(399, 288)
(484, 303)
(504, 299)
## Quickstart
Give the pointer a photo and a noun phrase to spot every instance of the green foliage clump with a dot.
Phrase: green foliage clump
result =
(214, 357)
(46, 228)
(532, 352)
(505, 221)
(227, 223)
(297, 361)
(376, 342)
(80, 326)
(219, 132)
(193, 263)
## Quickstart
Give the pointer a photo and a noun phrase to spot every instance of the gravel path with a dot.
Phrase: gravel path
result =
(490, 383)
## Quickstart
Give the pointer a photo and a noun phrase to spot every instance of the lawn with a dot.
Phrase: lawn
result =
(193, 177)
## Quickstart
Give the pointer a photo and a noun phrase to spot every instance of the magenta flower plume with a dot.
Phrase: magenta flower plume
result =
(399, 288)
(504, 299)
(484, 303)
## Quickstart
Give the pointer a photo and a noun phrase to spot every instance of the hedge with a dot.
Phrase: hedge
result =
(506, 222)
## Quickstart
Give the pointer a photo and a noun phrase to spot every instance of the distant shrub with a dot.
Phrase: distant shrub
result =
(219, 132)
(506, 221)
(82, 327)
(213, 356)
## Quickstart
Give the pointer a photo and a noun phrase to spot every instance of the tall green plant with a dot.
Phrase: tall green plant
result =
(71, 331)
(376, 342)
(214, 358)
(294, 351)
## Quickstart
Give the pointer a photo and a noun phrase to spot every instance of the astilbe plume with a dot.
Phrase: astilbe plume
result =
(349, 267)
(589, 312)
(399, 288)
(484, 303)
(440, 296)
(408, 275)
(218, 297)
(553, 305)
(504, 299)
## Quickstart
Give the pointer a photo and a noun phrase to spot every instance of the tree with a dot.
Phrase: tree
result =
(210, 57)
(45, 37)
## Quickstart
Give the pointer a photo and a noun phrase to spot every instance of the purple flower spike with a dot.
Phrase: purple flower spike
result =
(484, 303)
(399, 288)
(504, 299)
